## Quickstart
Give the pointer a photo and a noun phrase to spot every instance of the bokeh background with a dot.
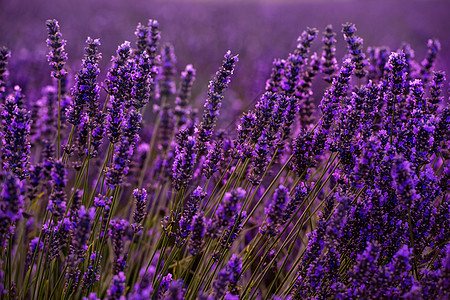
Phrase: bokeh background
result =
(202, 31)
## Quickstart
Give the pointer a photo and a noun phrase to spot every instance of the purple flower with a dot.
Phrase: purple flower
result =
(354, 44)
(167, 74)
(11, 205)
(140, 195)
(328, 63)
(175, 291)
(92, 273)
(166, 127)
(57, 56)
(121, 162)
(276, 80)
(306, 101)
(142, 80)
(115, 119)
(184, 93)
(198, 232)
(142, 42)
(227, 211)
(16, 147)
(132, 125)
(404, 182)
(436, 90)
(294, 203)
(86, 91)
(117, 287)
(80, 234)
(434, 46)
(235, 267)
(275, 211)
(119, 78)
(5, 54)
(397, 75)
(154, 37)
(261, 159)
(220, 285)
(61, 234)
(335, 93)
(213, 159)
(57, 202)
(214, 101)
(164, 286)
(264, 110)
(185, 157)
(190, 210)
(117, 232)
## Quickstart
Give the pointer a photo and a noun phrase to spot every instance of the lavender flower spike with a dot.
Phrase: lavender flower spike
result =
(140, 211)
(184, 92)
(198, 232)
(57, 203)
(4, 55)
(16, 147)
(86, 91)
(11, 204)
(183, 164)
(328, 63)
(275, 212)
(117, 287)
(213, 102)
(57, 56)
(354, 44)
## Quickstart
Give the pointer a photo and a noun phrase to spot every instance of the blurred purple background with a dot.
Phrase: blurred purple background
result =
(202, 31)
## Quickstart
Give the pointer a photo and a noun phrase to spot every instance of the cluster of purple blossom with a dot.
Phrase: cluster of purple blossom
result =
(346, 201)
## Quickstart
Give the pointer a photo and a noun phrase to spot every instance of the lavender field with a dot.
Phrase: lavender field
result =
(202, 150)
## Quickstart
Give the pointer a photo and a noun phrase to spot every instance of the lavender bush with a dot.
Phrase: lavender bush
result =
(344, 200)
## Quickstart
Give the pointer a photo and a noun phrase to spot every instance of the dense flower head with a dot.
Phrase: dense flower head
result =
(57, 203)
(185, 157)
(154, 37)
(190, 210)
(397, 73)
(86, 91)
(214, 100)
(80, 234)
(16, 130)
(5, 54)
(166, 80)
(226, 212)
(213, 159)
(274, 83)
(117, 287)
(328, 63)
(119, 79)
(436, 90)
(57, 56)
(184, 93)
(434, 46)
(121, 162)
(143, 78)
(334, 94)
(117, 231)
(11, 205)
(198, 232)
(141, 34)
(404, 181)
(140, 195)
(276, 211)
(354, 44)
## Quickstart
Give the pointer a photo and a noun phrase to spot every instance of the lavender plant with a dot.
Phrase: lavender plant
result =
(346, 201)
